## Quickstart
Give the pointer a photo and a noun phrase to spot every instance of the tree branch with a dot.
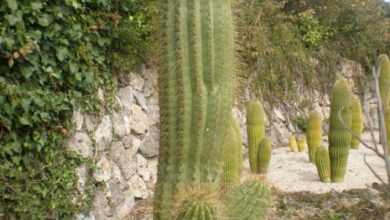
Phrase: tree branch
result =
(372, 170)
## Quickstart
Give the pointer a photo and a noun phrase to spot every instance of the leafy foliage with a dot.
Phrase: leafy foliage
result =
(53, 57)
(290, 47)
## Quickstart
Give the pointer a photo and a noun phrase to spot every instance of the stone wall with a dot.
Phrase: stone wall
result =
(124, 146)
(124, 143)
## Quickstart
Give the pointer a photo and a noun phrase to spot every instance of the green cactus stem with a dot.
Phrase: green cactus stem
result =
(247, 201)
(195, 83)
(323, 164)
(293, 143)
(357, 122)
(387, 123)
(301, 144)
(256, 130)
(384, 79)
(339, 137)
(264, 155)
(233, 154)
(314, 134)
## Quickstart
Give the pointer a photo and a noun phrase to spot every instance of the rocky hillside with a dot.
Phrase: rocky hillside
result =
(124, 143)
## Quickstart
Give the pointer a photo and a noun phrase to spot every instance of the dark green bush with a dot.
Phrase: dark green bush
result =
(53, 57)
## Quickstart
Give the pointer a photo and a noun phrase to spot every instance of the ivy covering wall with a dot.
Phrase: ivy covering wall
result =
(54, 55)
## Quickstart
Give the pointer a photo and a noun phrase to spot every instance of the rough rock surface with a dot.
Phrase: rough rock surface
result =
(113, 140)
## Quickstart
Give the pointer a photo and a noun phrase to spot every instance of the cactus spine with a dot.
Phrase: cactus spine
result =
(264, 155)
(357, 122)
(195, 95)
(339, 137)
(233, 154)
(323, 164)
(196, 203)
(314, 134)
(301, 144)
(384, 79)
(293, 143)
(248, 201)
(256, 130)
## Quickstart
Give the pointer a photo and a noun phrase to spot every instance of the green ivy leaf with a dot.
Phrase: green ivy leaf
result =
(12, 4)
(62, 53)
(12, 19)
(36, 6)
(44, 20)
(24, 120)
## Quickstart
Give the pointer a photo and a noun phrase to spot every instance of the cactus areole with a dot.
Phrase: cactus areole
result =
(196, 66)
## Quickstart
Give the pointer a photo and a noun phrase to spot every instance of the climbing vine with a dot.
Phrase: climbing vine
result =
(53, 58)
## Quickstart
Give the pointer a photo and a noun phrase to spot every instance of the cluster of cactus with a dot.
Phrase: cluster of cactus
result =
(323, 164)
(357, 122)
(247, 201)
(195, 82)
(293, 143)
(232, 169)
(339, 137)
(314, 134)
(259, 150)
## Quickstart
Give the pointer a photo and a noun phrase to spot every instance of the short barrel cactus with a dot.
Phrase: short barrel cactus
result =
(293, 143)
(248, 201)
(323, 164)
(314, 134)
(233, 154)
(264, 155)
(196, 203)
(301, 144)
(357, 122)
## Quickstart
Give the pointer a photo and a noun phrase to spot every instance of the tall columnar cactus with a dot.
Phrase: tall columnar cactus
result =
(387, 123)
(196, 203)
(339, 137)
(357, 122)
(323, 164)
(264, 155)
(314, 134)
(301, 144)
(195, 82)
(293, 143)
(384, 79)
(247, 201)
(240, 163)
(233, 154)
(256, 130)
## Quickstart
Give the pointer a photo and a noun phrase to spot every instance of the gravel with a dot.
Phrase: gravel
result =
(292, 172)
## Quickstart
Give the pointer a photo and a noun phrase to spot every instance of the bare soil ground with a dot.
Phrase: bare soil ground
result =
(292, 172)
